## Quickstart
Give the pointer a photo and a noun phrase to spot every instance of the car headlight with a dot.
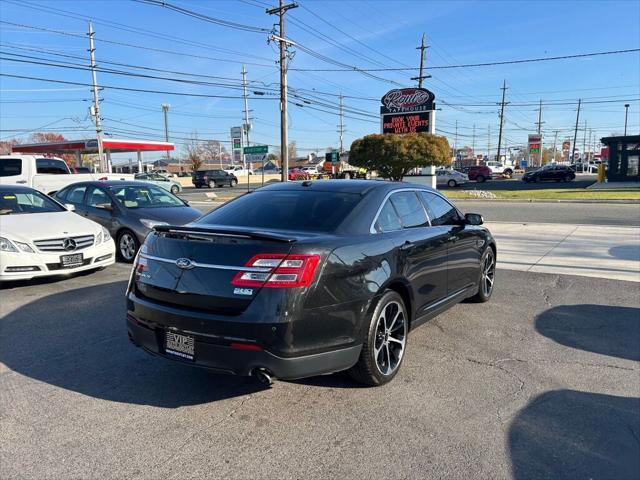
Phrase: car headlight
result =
(7, 246)
(151, 223)
(105, 235)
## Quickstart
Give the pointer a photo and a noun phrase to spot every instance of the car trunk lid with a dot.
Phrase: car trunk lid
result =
(195, 267)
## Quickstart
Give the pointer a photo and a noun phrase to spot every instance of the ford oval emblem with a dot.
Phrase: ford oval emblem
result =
(184, 263)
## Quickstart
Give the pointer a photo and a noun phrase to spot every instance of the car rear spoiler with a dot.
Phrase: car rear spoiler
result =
(224, 232)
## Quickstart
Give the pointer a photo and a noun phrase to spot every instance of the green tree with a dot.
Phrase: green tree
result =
(393, 156)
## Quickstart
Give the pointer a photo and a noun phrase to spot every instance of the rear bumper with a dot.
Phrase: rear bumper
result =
(217, 354)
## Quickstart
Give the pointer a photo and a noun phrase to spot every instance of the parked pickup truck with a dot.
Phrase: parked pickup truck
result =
(47, 175)
(498, 168)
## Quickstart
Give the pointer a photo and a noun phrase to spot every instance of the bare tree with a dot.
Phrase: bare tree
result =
(212, 150)
(193, 152)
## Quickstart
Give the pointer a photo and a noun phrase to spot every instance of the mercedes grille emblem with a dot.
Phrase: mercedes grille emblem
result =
(69, 244)
(184, 263)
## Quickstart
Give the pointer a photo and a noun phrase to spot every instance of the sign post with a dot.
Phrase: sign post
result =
(259, 152)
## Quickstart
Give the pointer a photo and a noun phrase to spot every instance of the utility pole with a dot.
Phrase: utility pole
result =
(341, 126)
(473, 141)
(455, 143)
(626, 114)
(575, 133)
(502, 104)
(284, 146)
(96, 103)
(539, 123)
(584, 140)
(247, 125)
(165, 110)
(592, 147)
(423, 46)
(489, 142)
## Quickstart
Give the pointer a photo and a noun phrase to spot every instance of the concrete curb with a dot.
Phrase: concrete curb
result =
(522, 200)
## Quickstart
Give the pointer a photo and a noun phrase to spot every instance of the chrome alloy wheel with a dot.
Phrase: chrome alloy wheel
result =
(488, 273)
(390, 339)
(127, 246)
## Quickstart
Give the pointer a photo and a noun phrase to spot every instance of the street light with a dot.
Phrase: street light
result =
(626, 114)
(165, 109)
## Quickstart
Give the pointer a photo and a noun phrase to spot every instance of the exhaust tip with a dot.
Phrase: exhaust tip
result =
(264, 376)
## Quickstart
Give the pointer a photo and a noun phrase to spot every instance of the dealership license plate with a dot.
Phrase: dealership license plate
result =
(180, 345)
(68, 261)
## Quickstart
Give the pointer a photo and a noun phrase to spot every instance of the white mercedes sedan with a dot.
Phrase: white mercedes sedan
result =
(41, 237)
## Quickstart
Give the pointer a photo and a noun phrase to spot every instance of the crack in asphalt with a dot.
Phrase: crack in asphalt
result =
(188, 440)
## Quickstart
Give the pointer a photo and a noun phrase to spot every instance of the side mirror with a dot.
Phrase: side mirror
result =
(473, 219)
(70, 207)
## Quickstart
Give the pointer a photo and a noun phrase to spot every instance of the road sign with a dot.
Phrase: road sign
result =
(256, 150)
(334, 158)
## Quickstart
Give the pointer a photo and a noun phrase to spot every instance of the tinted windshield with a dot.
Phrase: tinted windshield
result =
(299, 210)
(147, 196)
(12, 203)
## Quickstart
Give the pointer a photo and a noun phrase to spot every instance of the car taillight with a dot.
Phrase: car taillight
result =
(205, 177)
(284, 271)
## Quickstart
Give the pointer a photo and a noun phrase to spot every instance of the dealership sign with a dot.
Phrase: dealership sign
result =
(407, 110)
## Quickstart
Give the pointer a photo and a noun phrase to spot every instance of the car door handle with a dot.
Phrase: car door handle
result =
(406, 245)
(21, 181)
(453, 238)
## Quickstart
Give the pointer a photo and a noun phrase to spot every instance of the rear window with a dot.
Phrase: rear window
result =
(306, 211)
(51, 166)
(10, 167)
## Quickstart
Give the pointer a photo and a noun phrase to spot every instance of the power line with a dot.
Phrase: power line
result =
(137, 30)
(140, 47)
(484, 64)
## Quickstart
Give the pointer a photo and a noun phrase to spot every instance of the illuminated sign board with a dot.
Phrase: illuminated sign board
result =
(407, 110)
(406, 123)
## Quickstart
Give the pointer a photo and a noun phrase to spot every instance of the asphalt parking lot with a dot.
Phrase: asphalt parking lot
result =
(541, 382)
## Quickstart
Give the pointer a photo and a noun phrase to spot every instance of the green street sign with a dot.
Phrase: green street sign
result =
(334, 158)
(255, 150)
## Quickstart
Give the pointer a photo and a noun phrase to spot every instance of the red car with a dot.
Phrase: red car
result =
(298, 174)
(479, 173)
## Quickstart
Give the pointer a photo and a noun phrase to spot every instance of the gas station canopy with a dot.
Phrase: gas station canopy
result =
(112, 145)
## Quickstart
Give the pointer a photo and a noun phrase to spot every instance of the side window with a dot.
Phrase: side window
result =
(97, 197)
(410, 210)
(75, 194)
(51, 166)
(388, 219)
(440, 211)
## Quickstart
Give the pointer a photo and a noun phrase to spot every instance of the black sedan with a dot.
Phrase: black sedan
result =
(551, 172)
(129, 210)
(306, 278)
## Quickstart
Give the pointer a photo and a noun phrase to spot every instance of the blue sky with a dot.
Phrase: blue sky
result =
(367, 34)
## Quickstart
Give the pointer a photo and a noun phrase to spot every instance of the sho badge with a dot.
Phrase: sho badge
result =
(243, 291)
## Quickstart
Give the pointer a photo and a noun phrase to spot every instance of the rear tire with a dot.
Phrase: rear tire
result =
(480, 179)
(233, 182)
(567, 178)
(211, 184)
(508, 173)
(385, 344)
(198, 185)
(452, 183)
(487, 276)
